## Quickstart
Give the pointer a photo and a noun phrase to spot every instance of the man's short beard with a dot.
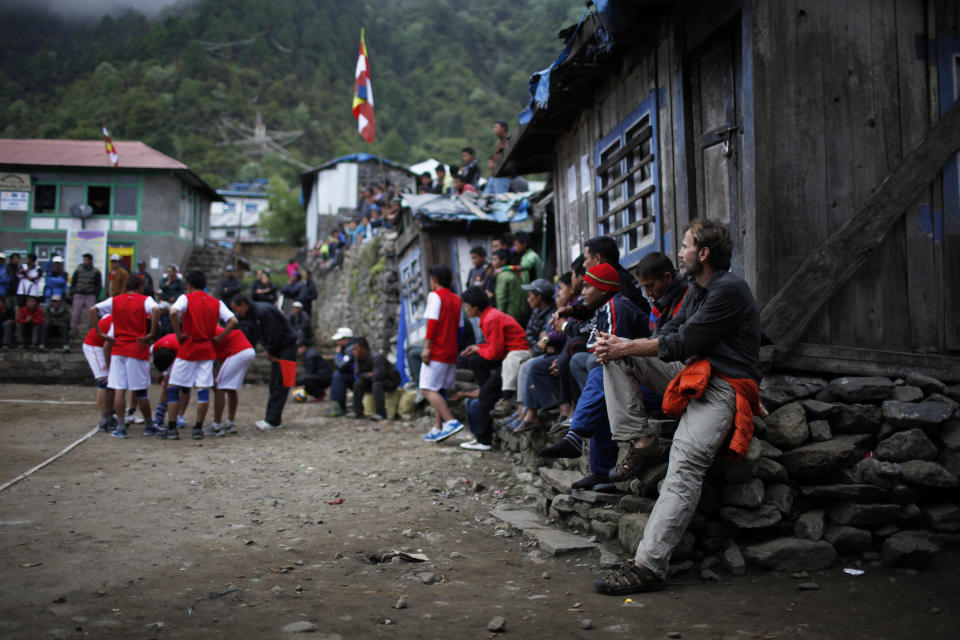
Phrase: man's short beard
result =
(691, 271)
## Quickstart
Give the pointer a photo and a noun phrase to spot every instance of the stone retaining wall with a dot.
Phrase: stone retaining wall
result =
(363, 294)
(863, 468)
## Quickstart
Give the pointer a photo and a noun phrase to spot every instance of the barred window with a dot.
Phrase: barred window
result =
(626, 171)
(412, 287)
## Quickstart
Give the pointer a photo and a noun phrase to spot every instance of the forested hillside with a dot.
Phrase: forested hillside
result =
(442, 72)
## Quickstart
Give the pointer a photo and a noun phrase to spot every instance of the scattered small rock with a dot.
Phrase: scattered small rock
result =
(300, 627)
(545, 575)
(709, 576)
(674, 634)
(401, 603)
(587, 623)
(808, 586)
(497, 624)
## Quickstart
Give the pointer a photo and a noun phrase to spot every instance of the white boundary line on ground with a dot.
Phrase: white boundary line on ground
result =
(48, 460)
(47, 401)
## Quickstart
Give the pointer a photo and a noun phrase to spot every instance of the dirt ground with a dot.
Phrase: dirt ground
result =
(235, 537)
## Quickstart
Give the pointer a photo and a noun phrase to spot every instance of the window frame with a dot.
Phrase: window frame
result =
(639, 191)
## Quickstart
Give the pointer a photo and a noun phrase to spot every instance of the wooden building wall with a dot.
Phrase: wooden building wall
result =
(843, 91)
(650, 69)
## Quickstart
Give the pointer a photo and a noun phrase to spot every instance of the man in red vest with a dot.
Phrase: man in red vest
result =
(439, 369)
(130, 356)
(198, 336)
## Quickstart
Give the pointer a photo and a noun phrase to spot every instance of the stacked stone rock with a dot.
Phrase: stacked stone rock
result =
(364, 294)
(856, 466)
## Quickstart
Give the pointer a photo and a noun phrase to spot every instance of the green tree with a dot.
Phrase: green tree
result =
(287, 220)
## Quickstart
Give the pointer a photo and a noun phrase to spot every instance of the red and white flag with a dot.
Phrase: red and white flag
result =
(111, 150)
(363, 95)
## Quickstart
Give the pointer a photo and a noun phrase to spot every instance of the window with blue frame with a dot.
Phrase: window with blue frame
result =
(628, 203)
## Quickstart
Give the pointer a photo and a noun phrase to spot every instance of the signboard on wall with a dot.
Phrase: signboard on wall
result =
(81, 241)
(14, 200)
(14, 182)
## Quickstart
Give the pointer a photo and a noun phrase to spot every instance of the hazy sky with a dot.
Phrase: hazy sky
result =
(97, 8)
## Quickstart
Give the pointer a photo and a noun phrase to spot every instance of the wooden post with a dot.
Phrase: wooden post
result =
(788, 314)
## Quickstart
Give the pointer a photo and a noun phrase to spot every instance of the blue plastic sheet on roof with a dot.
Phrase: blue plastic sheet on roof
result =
(503, 207)
(359, 157)
(610, 10)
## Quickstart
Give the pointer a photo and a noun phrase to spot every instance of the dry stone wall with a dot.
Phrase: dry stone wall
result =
(860, 468)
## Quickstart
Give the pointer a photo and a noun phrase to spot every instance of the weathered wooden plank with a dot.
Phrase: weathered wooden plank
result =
(868, 362)
(887, 284)
(788, 314)
(924, 291)
(665, 143)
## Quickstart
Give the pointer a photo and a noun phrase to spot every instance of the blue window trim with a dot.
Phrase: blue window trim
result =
(647, 107)
(948, 54)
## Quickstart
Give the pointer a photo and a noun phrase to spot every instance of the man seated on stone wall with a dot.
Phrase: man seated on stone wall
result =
(502, 334)
(713, 348)
(56, 321)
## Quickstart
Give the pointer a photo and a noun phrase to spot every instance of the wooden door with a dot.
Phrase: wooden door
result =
(714, 76)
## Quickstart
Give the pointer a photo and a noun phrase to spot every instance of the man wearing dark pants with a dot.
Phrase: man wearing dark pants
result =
(712, 346)
(502, 334)
(375, 375)
(278, 339)
(318, 374)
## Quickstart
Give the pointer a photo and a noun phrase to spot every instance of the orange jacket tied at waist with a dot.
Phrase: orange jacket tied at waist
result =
(692, 381)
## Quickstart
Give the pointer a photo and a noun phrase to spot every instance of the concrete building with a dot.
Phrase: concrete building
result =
(151, 207)
(237, 218)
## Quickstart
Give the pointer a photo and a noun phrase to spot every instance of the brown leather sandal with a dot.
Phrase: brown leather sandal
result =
(629, 578)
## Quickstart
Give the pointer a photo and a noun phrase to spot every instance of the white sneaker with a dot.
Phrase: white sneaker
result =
(263, 425)
(432, 435)
(450, 427)
(475, 445)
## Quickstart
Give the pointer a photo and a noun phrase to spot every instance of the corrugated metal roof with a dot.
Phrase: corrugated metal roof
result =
(84, 153)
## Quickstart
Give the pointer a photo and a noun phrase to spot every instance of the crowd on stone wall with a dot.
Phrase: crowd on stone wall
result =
(378, 209)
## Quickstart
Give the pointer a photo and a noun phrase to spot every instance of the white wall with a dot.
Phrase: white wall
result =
(335, 188)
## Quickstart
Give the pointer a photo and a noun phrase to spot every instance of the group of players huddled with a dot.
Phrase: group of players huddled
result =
(122, 340)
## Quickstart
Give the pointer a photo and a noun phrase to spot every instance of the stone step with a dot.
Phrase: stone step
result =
(550, 539)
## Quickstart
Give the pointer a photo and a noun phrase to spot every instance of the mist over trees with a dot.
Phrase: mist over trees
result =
(442, 72)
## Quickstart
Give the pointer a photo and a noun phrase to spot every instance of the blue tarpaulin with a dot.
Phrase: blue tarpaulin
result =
(501, 207)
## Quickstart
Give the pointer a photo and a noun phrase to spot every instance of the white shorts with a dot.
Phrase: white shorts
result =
(96, 360)
(192, 373)
(435, 376)
(128, 373)
(234, 368)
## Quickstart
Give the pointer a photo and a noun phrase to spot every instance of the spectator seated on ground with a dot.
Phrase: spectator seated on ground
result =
(374, 374)
(502, 334)
(29, 321)
(56, 320)
(342, 371)
(317, 374)
(515, 370)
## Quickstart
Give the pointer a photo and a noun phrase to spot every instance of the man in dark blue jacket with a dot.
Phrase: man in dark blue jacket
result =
(277, 337)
